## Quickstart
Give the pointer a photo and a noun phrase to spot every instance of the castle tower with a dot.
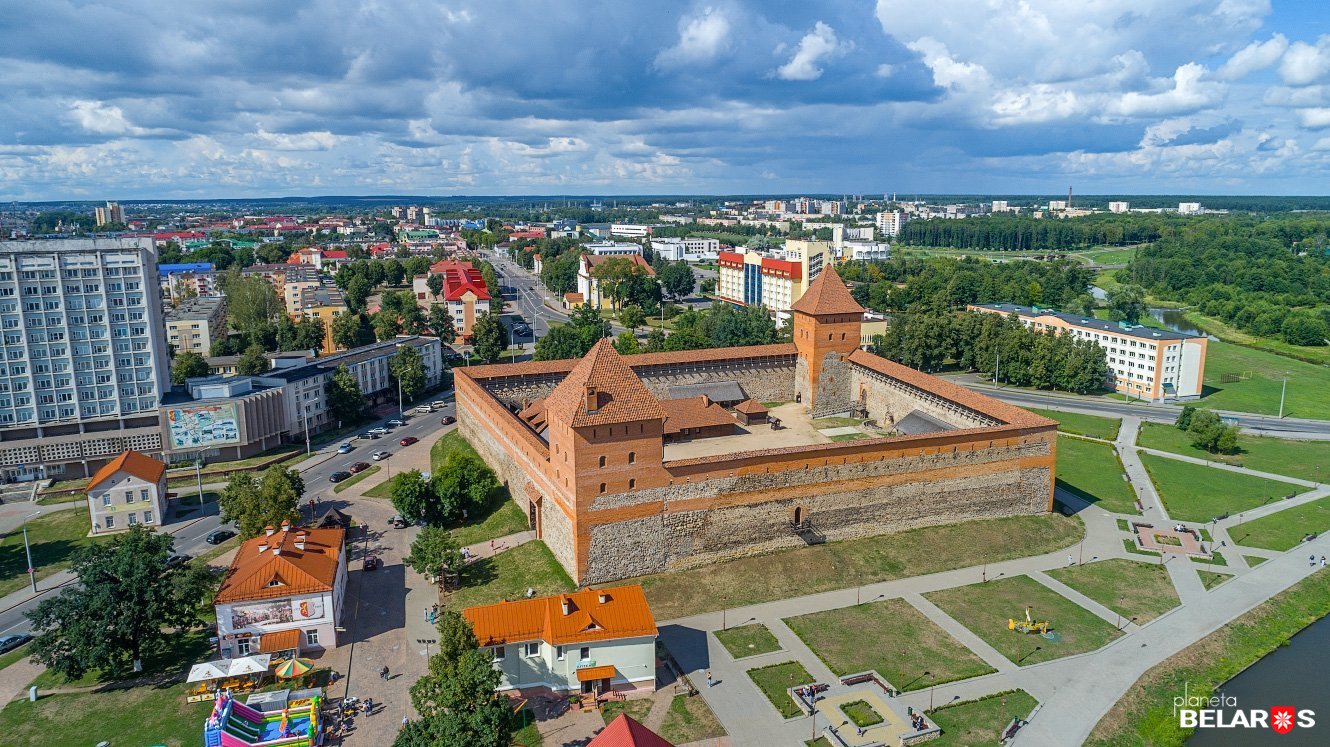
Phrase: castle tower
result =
(827, 321)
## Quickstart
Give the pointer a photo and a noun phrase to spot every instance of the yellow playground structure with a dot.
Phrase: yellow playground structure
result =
(1030, 625)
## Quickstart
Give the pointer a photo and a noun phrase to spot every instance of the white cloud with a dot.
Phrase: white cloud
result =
(1304, 63)
(701, 39)
(1190, 92)
(104, 119)
(1037, 103)
(817, 45)
(948, 72)
(1314, 119)
(319, 140)
(1253, 57)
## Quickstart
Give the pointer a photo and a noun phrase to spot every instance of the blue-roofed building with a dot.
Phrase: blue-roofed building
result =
(164, 270)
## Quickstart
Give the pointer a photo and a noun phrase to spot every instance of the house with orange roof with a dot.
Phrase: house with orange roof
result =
(625, 731)
(129, 490)
(590, 641)
(283, 594)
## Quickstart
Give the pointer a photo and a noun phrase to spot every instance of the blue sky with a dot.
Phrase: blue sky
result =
(240, 98)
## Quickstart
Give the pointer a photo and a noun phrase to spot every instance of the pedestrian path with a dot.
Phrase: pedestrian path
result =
(1227, 467)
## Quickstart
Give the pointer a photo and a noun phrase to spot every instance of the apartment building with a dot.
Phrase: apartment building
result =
(613, 248)
(288, 280)
(1119, 207)
(588, 282)
(322, 304)
(775, 279)
(195, 324)
(112, 213)
(129, 491)
(889, 222)
(1152, 364)
(689, 249)
(84, 359)
(189, 279)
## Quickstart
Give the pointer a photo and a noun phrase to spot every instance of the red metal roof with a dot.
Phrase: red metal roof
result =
(139, 465)
(625, 732)
(623, 614)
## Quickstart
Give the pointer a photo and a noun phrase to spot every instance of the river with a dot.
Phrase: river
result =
(1174, 320)
(1292, 675)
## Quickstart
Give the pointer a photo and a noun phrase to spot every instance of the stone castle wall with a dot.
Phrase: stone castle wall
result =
(833, 386)
(888, 400)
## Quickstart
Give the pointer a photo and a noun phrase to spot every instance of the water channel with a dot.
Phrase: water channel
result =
(1174, 320)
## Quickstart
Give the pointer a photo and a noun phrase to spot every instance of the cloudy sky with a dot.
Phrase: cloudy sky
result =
(237, 98)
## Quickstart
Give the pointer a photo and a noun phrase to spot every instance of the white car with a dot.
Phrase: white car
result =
(396, 423)
(379, 456)
(380, 431)
(424, 409)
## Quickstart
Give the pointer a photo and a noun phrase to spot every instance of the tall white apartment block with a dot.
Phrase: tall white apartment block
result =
(999, 206)
(1189, 208)
(889, 222)
(85, 361)
(1119, 207)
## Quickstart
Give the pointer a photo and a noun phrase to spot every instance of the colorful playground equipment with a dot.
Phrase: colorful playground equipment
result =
(1029, 625)
(234, 724)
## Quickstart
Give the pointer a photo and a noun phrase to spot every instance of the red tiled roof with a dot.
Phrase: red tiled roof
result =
(599, 259)
(693, 412)
(625, 732)
(827, 295)
(271, 574)
(457, 282)
(139, 465)
(624, 614)
(615, 391)
(750, 407)
(335, 254)
(639, 360)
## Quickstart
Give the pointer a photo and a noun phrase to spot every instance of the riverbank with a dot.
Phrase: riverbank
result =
(1145, 715)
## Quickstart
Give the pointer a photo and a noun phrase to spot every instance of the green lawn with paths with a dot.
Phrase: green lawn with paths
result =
(839, 565)
(689, 719)
(1137, 591)
(1211, 580)
(747, 640)
(905, 643)
(508, 575)
(53, 538)
(985, 608)
(1281, 456)
(636, 708)
(1195, 492)
(1285, 529)
(980, 721)
(1308, 393)
(12, 656)
(775, 680)
(1093, 426)
(1092, 470)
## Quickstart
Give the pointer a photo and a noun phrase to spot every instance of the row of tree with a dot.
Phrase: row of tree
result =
(902, 281)
(1026, 233)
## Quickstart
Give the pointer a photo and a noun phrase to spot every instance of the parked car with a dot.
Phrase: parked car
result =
(436, 404)
(178, 559)
(424, 409)
(394, 423)
(358, 467)
(521, 330)
(408, 441)
(339, 475)
(379, 431)
(345, 448)
(219, 536)
(10, 642)
(397, 522)
(379, 456)
(370, 562)
(368, 436)
(448, 420)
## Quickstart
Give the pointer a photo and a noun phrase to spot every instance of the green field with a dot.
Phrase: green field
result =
(1194, 492)
(1211, 580)
(508, 575)
(905, 643)
(985, 609)
(1285, 529)
(1314, 354)
(1308, 385)
(637, 709)
(1084, 425)
(1092, 471)
(776, 679)
(747, 640)
(980, 721)
(690, 720)
(1137, 591)
(1301, 459)
(53, 537)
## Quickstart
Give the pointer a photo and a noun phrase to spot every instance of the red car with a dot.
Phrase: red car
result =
(408, 440)
(358, 467)
(448, 420)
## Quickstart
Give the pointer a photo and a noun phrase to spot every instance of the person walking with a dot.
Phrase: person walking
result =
(1322, 561)
(1071, 560)
(1311, 561)
(384, 673)
(710, 681)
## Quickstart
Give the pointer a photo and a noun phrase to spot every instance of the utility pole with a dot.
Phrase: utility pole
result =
(305, 417)
(1282, 390)
(997, 366)
(32, 572)
(198, 475)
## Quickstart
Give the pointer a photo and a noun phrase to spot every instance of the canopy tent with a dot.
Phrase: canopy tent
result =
(257, 664)
(215, 670)
(209, 670)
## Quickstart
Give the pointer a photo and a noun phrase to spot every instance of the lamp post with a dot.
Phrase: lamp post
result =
(1282, 390)
(932, 684)
(32, 572)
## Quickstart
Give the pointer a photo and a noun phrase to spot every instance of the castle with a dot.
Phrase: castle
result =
(628, 465)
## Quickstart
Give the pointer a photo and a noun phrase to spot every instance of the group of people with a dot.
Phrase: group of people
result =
(1311, 561)
(918, 723)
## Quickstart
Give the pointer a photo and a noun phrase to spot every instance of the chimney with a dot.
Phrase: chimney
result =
(603, 597)
(592, 399)
(300, 539)
(567, 605)
(706, 401)
(286, 525)
(277, 550)
(268, 530)
(263, 546)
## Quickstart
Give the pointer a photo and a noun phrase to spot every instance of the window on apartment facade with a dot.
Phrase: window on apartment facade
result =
(133, 519)
(558, 653)
(243, 646)
(585, 653)
(143, 494)
(147, 517)
(129, 496)
(531, 650)
(106, 498)
(311, 637)
(498, 653)
(110, 522)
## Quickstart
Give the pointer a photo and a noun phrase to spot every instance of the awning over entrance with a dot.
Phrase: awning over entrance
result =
(592, 674)
(287, 640)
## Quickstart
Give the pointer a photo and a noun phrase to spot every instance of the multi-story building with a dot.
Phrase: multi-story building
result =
(84, 359)
(1145, 362)
(889, 222)
(464, 294)
(632, 230)
(129, 491)
(775, 279)
(1119, 207)
(186, 280)
(613, 248)
(690, 249)
(194, 325)
(288, 280)
(1190, 208)
(830, 207)
(215, 418)
(322, 304)
(112, 213)
(864, 251)
(999, 206)
(588, 281)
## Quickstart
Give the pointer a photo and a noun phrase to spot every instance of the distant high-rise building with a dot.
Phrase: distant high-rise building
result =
(889, 222)
(1119, 207)
(112, 213)
(1189, 208)
(999, 206)
(1057, 205)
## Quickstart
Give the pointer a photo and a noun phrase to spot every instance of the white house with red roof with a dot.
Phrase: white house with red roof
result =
(129, 490)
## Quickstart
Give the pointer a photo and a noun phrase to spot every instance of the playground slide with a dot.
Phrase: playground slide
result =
(239, 725)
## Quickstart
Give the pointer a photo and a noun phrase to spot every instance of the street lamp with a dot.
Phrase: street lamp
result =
(932, 684)
(32, 572)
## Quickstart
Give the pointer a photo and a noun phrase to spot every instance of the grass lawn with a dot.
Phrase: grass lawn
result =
(62, 498)
(1254, 560)
(1123, 525)
(1130, 544)
(747, 640)
(529, 735)
(849, 437)
(985, 609)
(1084, 425)
(980, 721)
(1092, 471)
(1145, 715)
(173, 654)
(344, 484)
(1141, 591)
(1194, 492)
(839, 565)
(138, 716)
(690, 720)
(637, 709)
(501, 518)
(450, 443)
(1281, 456)
(53, 538)
(1308, 385)
(509, 574)
(774, 680)
(1285, 529)
(19, 653)
(819, 742)
(904, 644)
(380, 491)
(861, 713)
(217, 551)
(1211, 580)
(836, 422)
(1318, 355)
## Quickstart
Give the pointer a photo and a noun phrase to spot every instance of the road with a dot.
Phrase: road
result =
(191, 533)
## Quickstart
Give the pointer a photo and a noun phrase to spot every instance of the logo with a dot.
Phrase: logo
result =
(1220, 711)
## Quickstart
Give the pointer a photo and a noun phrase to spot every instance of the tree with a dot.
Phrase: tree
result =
(346, 330)
(455, 639)
(626, 343)
(1208, 431)
(309, 334)
(1127, 303)
(127, 598)
(411, 495)
(252, 362)
(677, 280)
(1304, 329)
(462, 488)
(561, 342)
(457, 699)
(252, 306)
(1184, 418)
(435, 285)
(632, 316)
(489, 336)
(441, 323)
(357, 290)
(188, 365)
(433, 550)
(268, 501)
(387, 324)
(345, 399)
(407, 368)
